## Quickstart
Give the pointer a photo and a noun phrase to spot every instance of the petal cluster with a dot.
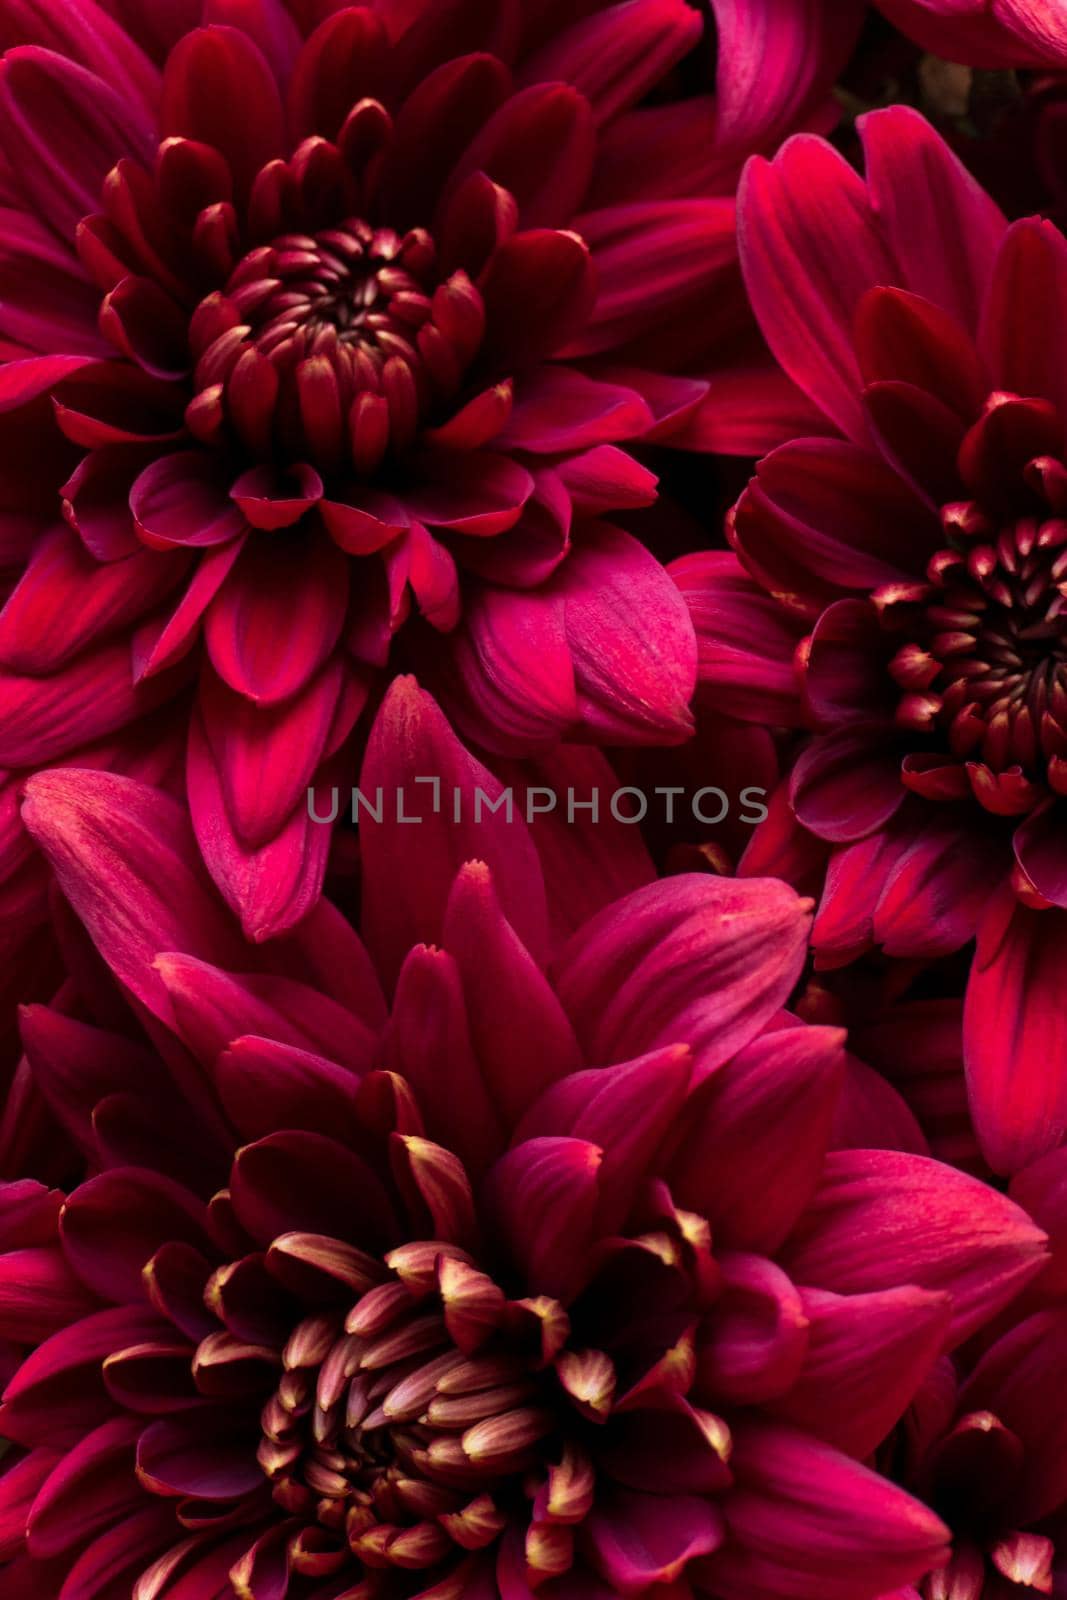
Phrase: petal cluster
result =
(431, 1304)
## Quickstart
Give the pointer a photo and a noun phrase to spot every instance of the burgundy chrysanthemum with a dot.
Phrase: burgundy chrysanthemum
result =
(546, 1283)
(901, 589)
(984, 1440)
(326, 324)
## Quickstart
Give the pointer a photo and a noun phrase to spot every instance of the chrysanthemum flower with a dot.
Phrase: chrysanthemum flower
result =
(346, 315)
(901, 585)
(984, 1440)
(544, 1283)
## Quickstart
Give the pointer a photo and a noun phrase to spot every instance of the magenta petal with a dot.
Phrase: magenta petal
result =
(804, 293)
(847, 784)
(277, 617)
(58, 1393)
(480, 494)
(272, 885)
(66, 601)
(689, 960)
(626, 1110)
(630, 638)
(858, 1235)
(19, 1486)
(746, 641)
(1015, 1033)
(616, 55)
(267, 756)
(512, 686)
(805, 1519)
(755, 1141)
(42, 719)
(409, 867)
(942, 227)
(125, 857)
(308, 1183)
(212, 1008)
(558, 408)
(218, 89)
(115, 1223)
(1024, 330)
(39, 1294)
(67, 127)
(520, 1032)
(867, 1355)
(543, 1196)
(273, 500)
(184, 499)
(1017, 1379)
(774, 65)
(652, 259)
(640, 1539)
(189, 1456)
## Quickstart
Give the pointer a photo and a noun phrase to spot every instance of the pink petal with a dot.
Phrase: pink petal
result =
(822, 517)
(746, 642)
(774, 65)
(67, 127)
(520, 1033)
(305, 1182)
(39, 1294)
(626, 1110)
(755, 1142)
(690, 960)
(618, 54)
(749, 408)
(803, 1515)
(270, 885)
(125, 858)
(512, 686)
(42, 719)
(847, 784)
(630, 638)
(867, 1355)
(942, 227)
(858, 1235)
(639, 1539)
(804, 291)
(212, 1008)
(218, 89)
(481, 494)
(538, 289)
(558, 408)
(277, 617)
(752, 1350)
(184, 499)
(1015, 1033)
(650, 259)
(47, 304)
(1017, 1379)
(543, 1195)
(408, 869)
(429, 1043)
(66, 600)
(1024, 333)
(115, 1223)
(539, 146)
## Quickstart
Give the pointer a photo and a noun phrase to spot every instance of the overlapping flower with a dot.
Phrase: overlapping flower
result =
(544, 1282)
(902, 584)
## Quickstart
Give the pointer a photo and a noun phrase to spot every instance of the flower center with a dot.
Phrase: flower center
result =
(399, 1431)
(332, 348)
(989, 662)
